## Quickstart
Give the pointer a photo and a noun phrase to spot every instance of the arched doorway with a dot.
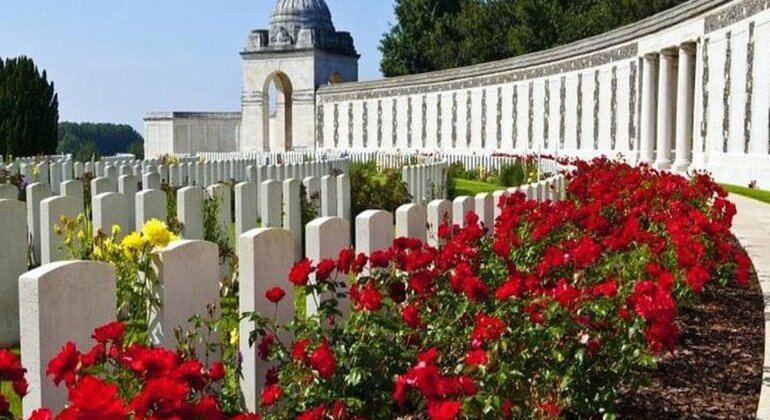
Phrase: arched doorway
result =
(277, 112)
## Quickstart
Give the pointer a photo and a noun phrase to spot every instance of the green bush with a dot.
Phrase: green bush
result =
(373, 189)
(512, 175)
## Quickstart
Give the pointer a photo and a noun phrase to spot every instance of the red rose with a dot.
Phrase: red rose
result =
(371, 299)
(476, 357)
(299, 350)
(110, 333)
(41, 414)
(275, 294)
(217, 371)
(339, 410)
(270, 395)
(5, 406)
(300, 273)
(10, 366)
(444, 410)
(322, 360)
(411, 315)
(345, 260)
(263, 349)
(325, 269)
(21, 387)
(64, 366)
(317, 413)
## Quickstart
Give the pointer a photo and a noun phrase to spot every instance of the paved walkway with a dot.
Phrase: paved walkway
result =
(752, 228)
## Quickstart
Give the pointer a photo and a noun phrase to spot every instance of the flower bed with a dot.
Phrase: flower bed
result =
(553, 315)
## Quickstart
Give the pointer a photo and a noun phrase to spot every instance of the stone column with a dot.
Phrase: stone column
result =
(649, 107)
(685, 100)
(666, 108)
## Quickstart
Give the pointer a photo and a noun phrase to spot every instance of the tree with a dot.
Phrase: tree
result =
(441, 34)
(109, 138)
(29, 109)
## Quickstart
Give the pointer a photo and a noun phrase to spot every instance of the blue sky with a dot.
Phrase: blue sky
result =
(115, 60)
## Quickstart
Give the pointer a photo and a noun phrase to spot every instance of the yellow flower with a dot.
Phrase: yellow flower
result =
(133, 242)
(98, 253)
(157, 233)
(234, 337)
(81, 236)
(115, 230)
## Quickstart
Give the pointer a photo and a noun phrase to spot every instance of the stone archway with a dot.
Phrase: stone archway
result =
(277, 128)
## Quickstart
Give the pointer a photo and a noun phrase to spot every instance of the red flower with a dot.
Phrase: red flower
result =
(339, 410)
(275, 294)
(41, 414)
(92, 398)
(110, 333)
(444, 410)
(162, 396)
(5, 406)
(10, 366)
(345, 260)
(317, 413)
(488, 328)
(247, 416)
(512, 288)
(380, 259)
(191, 372)
(64, 366)
(370, 299)
(476, 357)
(411, 315)
(263, 349)
(300, 273)
(323, 361)
(217, 371)
(270, 395)
(325, 269)
(21, 387)
(299, 350)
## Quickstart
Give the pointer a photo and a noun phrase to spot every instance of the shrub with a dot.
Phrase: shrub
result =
(512, 175)
(372, 189)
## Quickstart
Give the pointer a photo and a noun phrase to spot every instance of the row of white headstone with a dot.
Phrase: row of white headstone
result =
(426, 182)
(65, 301)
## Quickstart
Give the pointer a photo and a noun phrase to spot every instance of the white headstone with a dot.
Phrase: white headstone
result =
(328, 196)
(485, 209)
(343, 197)
(272, 204)
(51, 211)
(439, 213)
(374, 231)
(128, 185)
(13, 260)
(292, 214)
(246, 215)
(8, 192)
(59, 303)
(188, 274)
(190, 211)
(151, 181)
(110, 209)
(222, 194)
(461, 206)
(265, 259)
(150, 204)
(411, 222)
(36, 193)
(325, 237)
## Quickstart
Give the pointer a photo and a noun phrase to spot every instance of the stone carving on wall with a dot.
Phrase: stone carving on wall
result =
(454, 119)
(596, 109)
(562, 109)
(734, 13)
(366, 123)
(409, 122)
(468, 108)
(515, 127)
(394, 123)
(439, 119)
(531, 112)
(632, 105)
(319, 126)
(546, 113)
(350, 125)
(499, 119)
(614, 108)
(379, 123)
(620, 53)
(483, 118)
(749, 90)
(705, 76)
(424, 118)
(336, 125)
(726, 92)
(579, 125)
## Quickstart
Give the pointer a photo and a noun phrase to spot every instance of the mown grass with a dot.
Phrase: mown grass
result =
(7, 390)
(471, 188)
(761, 195)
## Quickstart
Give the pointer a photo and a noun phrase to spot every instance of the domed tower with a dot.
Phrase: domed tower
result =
(299, 52)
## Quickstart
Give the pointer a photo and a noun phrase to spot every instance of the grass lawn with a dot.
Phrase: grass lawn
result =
(760, 195)
(471, 188)
(7, 390)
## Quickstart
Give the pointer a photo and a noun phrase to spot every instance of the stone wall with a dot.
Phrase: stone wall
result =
(682, 90)
(189, 133)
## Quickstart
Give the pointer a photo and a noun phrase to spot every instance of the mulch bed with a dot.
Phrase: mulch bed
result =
(717, 369)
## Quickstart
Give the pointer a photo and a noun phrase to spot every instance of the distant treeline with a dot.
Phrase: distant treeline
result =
(98, 139)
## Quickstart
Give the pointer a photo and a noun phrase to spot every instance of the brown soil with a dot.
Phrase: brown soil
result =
(716, 372)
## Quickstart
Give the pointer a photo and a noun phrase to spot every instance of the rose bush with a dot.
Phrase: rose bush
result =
(567, 303)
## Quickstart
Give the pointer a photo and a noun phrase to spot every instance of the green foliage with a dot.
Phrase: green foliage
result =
(372, 189)
(442, 34)
(761, 195)
(107, 139)
(137, 149)
(29, 109)
(81, 151)
(512, 175)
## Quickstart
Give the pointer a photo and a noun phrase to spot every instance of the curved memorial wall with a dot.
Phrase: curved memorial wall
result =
(686, 89)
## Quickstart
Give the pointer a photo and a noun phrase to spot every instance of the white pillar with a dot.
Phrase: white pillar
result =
(666, 108)
(685, 99)
(649, 107)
